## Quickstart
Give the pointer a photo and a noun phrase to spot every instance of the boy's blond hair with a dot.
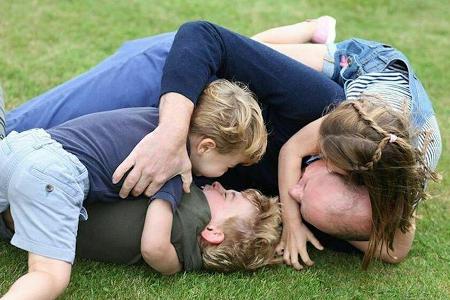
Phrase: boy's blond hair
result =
(248, 243)
(228, 113)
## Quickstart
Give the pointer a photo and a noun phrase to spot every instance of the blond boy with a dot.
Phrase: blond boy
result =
(49, 175)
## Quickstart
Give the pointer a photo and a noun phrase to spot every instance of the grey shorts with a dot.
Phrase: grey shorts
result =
(44, 186)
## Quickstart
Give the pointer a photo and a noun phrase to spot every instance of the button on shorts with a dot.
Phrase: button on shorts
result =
(44, 186)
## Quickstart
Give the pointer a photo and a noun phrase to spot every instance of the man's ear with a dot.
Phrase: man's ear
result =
(213, 235)
(205, 145)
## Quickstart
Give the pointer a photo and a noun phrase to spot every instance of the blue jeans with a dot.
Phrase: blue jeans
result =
(131, 77)
(366, 57)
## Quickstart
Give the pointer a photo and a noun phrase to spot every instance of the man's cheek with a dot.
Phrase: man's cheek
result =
(313, 214)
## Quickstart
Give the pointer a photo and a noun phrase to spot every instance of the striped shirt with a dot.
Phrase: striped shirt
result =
(392, 86)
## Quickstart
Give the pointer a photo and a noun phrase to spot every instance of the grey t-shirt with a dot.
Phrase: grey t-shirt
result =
(113, 231)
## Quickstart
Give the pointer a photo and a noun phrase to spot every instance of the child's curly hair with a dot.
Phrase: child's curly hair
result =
(249, 243)
(228, 113)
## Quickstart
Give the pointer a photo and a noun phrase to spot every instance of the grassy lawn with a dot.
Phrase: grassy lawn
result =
(43, 43)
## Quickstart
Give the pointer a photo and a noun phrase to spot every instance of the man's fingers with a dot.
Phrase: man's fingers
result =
(153, 188)
(141, 185)
(187, 180)
(127, 164)
(130, 182)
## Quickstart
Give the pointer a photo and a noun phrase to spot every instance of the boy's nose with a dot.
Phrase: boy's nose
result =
(216, 185)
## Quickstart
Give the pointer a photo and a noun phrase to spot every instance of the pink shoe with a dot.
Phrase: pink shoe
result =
(326, 30)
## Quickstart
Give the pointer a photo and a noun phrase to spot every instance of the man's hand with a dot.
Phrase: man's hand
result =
(154, 165)
(162, 153)
(293, 243)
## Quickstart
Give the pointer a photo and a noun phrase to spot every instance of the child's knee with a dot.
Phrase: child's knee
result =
(57, 272)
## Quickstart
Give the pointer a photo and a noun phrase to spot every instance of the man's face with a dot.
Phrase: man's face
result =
(329, 203)
(317, 182)
(225, 204)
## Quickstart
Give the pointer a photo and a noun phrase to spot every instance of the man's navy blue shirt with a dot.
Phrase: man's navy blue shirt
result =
(101, 141)
(291, 94)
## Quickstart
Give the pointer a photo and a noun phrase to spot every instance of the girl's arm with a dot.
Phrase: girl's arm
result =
(295, 234)
(156, 248)
(402, 245)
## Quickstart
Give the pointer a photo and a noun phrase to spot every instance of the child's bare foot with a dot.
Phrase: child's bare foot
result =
(325, 32)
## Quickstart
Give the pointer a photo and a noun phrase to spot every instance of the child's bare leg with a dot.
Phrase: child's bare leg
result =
(290, 34)
(320, 30)
(46, 279)
(292, 40)
(311, 55)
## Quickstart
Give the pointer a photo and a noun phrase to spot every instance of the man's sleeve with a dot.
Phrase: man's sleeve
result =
(203, 51)
(171, 191)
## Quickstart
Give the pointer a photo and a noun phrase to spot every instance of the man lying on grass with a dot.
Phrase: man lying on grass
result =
(48, 175)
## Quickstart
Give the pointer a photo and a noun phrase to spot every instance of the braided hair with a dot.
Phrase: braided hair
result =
(371, 143)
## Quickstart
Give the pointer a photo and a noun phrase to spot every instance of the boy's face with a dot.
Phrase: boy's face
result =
(213, 164)
(225, 204)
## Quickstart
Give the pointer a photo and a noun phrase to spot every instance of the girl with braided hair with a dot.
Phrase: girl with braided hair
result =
(384, 136)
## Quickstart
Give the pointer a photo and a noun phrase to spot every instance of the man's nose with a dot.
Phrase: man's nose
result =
(296, 192)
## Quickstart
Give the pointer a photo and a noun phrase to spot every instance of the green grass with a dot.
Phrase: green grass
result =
(43, 43)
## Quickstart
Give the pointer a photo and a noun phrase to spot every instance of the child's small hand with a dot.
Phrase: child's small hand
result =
(293, 243)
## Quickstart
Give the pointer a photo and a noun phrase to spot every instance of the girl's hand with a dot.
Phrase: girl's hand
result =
(293, 243)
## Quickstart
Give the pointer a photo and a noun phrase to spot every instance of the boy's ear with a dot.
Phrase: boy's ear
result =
(213, 235)
(205, 145)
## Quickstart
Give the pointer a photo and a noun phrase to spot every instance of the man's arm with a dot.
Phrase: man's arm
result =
(203, 51)
(156, 247)
(402, 245)
(161, 154)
